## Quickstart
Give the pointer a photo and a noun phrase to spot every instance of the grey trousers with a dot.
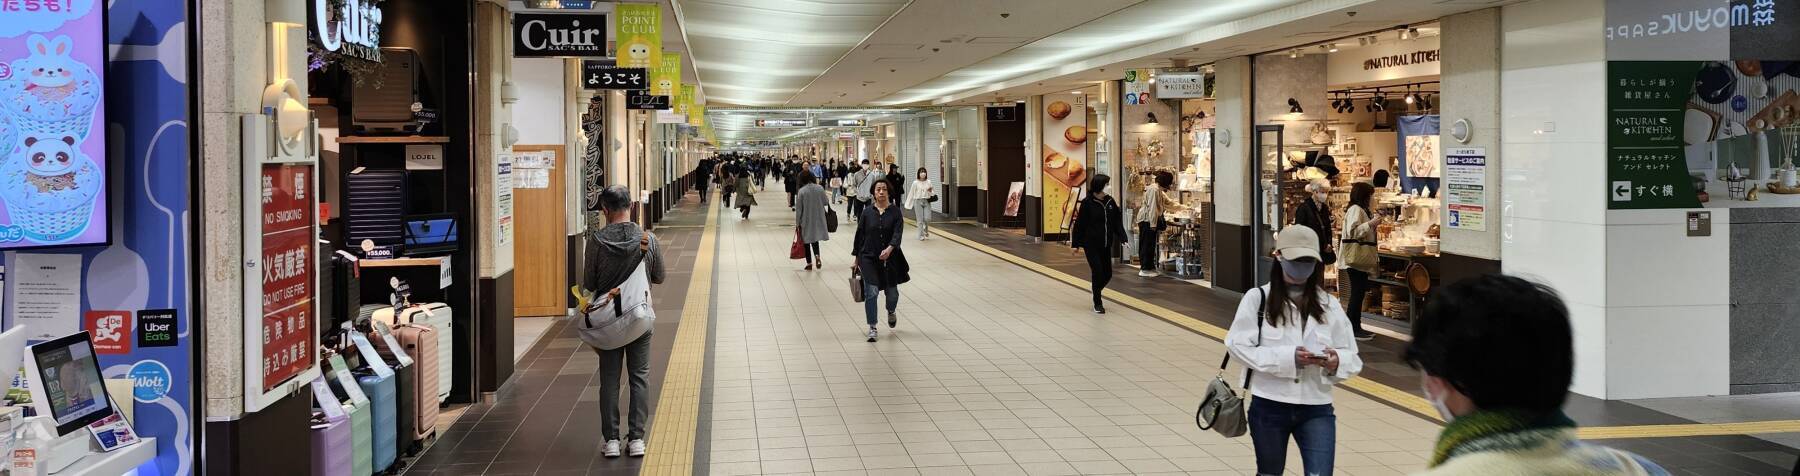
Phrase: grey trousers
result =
(636, 355)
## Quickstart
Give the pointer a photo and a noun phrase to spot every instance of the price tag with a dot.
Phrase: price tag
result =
(387, 336)
(370, 356)
(341, 371)
(328, 402)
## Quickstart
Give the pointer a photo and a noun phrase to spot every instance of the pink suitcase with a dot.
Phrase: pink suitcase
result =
(421, 343)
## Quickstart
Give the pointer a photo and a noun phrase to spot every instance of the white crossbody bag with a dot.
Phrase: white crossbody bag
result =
(616, 322)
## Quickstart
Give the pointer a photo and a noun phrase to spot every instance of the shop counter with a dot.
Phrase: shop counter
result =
(120, 461)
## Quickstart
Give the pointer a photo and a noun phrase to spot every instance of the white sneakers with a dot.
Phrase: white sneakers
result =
(1148, 274)
(872, 333)
(636, 448)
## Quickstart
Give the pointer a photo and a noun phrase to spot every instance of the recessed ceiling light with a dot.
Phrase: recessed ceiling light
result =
(1333, 48)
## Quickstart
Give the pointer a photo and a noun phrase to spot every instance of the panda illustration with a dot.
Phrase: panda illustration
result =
(51, 164)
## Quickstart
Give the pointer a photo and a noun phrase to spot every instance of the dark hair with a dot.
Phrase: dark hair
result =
(921, 170)
(1502, 341)
(1310, 303)
(806, 179)
(1360, 193)
(1164, 179)
(1381, 178)
(1098, 182)
(615, 198)
(881, 184)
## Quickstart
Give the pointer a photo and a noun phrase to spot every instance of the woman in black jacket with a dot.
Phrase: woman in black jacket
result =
(896, 184)
(1099, 229)
(878, 258)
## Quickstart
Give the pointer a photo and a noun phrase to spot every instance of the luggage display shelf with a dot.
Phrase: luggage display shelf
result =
(393, 140)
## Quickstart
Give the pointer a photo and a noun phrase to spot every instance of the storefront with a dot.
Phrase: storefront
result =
(1167, 120)
(1365, 109)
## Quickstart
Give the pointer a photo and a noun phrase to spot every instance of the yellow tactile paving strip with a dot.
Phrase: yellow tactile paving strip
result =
(1418, 406)
(671, 445)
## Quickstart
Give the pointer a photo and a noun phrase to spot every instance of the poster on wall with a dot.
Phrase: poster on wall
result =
(53, 179)
(1465, 188)
(1065, 157)
(638, 27)
(1137, 87)
(503, 197)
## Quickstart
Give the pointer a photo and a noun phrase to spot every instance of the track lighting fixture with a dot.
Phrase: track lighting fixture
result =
(1362, 41)
(1294, 54)
(1406, 33)
(1333, 48)
(1414, 32)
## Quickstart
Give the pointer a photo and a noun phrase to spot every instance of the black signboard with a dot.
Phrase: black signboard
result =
(600, 75)
(559, 35)
(641, 99)
(1002, 114)
(156, 328)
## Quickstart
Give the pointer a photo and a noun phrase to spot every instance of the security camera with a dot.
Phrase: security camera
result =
(1005, 15)
(1351, 13)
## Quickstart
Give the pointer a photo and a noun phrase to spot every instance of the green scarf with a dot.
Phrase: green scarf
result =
(1497, 430)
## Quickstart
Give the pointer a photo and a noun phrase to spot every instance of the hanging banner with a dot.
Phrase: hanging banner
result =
(559, 35)
(638, 27)
(684, 99)
(1065, 157)
(665, 80)
(697, 115)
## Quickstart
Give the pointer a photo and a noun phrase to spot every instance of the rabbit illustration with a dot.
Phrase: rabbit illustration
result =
(50, 73)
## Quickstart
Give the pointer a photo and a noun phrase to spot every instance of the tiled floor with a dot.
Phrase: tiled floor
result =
(526, 331)
(993, 370)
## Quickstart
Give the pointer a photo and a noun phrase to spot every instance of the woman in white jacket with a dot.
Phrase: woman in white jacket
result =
(1297, 344)
(918, 199)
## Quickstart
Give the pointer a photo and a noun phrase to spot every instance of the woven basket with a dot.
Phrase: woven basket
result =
(52, 227)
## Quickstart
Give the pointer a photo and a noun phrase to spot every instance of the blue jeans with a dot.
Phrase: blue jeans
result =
(869, 290)
(1313, 427)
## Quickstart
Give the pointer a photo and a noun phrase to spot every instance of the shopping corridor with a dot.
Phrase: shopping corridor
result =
(993, 370)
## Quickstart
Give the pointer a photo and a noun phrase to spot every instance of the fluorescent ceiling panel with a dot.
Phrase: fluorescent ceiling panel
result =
(763, 52)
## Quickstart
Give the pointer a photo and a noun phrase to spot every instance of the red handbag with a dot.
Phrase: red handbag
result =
(798, 251)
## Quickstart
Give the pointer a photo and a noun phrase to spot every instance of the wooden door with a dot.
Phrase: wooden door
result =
(540, 251)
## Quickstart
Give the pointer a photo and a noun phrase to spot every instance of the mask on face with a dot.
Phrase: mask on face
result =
(1437, 401)
(1297, 271)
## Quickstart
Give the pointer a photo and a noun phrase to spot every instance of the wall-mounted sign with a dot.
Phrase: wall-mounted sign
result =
(286, 269)
(353, 28)
(1700, 30)
(1137, 86)
(1465, 188)
(851, 122)
(639, 99)
(782, 123)
(1181, 85)
(425, 157)
(1385, 60)
(599, 75)
(1008, 113)
(53, 124)
(639, 28)
(559, 34)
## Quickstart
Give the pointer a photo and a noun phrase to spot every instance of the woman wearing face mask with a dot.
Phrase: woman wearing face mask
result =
(1315, 213)
(876, 248)
(1297, 344)
(1504, 406)
(1099, 228)
(1359, 227)
(920, 204)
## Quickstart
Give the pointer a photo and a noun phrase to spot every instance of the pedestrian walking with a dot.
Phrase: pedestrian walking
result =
(923, 194)
(746, 195)
(876, 248)
(1297, 344)
(811, 204)
(1099, 228)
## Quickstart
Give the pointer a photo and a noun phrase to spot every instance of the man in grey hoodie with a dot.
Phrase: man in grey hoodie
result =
(613, 253)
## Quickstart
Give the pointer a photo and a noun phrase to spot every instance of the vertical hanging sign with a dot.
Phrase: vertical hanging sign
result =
(684, 100)
(665, 79)
(638, 27)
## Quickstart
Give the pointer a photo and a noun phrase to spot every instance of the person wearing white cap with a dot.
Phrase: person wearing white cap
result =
(1296, 343)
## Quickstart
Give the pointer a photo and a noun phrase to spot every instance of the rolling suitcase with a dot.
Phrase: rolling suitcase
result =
(362, 438)
(374, 206)
(377, 381)
(437, 316)
(417, 415)
(422, 341)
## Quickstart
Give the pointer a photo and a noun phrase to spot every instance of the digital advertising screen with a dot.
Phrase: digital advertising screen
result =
(53, 182)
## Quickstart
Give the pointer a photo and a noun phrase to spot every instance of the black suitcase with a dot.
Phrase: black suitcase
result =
(374, 207)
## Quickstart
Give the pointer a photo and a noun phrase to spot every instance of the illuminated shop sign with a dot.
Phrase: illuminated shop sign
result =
(352, 28)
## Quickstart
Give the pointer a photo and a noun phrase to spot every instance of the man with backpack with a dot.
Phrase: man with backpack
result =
(623, 261)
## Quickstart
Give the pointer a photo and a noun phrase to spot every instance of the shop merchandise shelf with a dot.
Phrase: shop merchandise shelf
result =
(393, 140)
